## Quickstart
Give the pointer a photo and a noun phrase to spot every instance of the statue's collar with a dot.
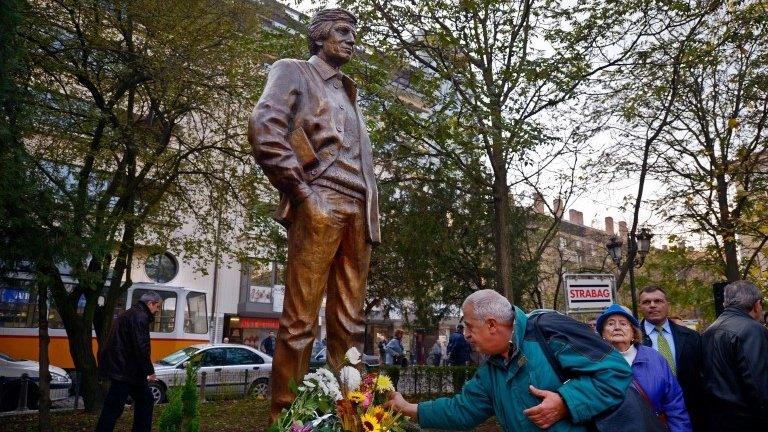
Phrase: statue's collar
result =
(326, 71)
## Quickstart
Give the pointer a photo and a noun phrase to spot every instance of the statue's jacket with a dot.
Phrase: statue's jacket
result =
(501, 388)
(296, 134)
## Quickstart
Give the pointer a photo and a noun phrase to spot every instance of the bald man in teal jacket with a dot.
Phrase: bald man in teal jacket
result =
(517, 384)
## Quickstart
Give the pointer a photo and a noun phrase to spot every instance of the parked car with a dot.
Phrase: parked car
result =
(318, 359)
(11, 370)
(228, 367)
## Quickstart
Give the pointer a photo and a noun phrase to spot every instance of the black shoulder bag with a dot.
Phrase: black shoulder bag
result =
(633, 414)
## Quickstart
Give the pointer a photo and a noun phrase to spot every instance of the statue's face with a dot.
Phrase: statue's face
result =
(338, 47)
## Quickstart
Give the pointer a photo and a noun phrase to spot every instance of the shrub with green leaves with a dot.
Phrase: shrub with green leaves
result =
(182, 413)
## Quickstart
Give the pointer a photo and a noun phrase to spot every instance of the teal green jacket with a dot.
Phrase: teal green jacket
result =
(600, 377)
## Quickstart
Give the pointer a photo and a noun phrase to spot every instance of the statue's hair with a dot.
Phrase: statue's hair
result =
(488, 302)
(321, 25)
(741, 294)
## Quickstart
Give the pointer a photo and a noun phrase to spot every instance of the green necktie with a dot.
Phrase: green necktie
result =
(664, 348)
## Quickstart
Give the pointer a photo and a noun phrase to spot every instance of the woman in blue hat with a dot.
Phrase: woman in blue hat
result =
(651, 371)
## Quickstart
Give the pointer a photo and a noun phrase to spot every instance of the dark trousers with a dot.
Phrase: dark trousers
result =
(327, 254)
(143, 402)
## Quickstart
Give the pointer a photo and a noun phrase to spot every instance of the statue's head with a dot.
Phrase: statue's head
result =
(332, 35)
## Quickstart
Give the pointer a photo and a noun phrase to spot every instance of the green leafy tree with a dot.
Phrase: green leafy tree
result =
(692, 111)
(479, 85)
(137, 114)
(714, 158)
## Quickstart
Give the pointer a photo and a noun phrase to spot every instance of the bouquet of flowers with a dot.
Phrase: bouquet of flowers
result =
(351, 403)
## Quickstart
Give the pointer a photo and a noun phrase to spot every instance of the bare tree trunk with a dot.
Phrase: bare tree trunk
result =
(44, 415)
(501, 231)
(80, 347)
(729, 231)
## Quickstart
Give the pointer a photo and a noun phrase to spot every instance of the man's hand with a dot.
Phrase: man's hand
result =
(152, 377)
(396, 402)
(551, 409)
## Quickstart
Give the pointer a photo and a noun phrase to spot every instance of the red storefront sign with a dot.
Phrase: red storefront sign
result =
(246, 322)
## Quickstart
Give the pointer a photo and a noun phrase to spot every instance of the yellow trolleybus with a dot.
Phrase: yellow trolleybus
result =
(182, 321)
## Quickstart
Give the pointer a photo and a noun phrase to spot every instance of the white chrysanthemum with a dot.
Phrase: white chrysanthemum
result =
(353, 356)
(325, 374)
(350, 377)
(335, 392)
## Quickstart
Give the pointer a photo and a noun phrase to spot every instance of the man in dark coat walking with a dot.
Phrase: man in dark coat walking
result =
(682, 350)
(126, 361)
(736, 362)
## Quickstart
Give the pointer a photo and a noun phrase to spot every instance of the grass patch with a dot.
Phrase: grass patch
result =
(236, 415)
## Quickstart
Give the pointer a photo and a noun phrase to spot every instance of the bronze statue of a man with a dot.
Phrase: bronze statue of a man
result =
(309, 137)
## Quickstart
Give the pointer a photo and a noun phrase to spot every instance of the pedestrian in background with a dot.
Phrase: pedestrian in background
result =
(736, 362)
(395, 353)
(438, 351)
(382, 344)
(459, 350)
(268, 346)
(127, 362)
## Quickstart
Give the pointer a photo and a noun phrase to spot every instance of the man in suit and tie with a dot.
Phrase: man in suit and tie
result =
(309, 137)
(681, 347)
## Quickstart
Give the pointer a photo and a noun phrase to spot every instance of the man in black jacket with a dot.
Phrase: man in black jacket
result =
(680, 345)
(736, 362)
(127, 363)
(459, 350)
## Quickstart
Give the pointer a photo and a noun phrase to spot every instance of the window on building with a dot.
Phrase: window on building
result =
(165, 318)
(161, 268)
(261, 273)
(279, 274)
(195, 315)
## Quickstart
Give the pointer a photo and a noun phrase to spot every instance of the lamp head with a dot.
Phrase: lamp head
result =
(614, 248)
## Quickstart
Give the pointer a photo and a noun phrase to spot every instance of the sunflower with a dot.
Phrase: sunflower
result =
(378, 412)
(384, 383)
(356, 396)
(370, 424)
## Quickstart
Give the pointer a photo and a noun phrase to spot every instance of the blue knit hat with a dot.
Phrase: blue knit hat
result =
(615, 309)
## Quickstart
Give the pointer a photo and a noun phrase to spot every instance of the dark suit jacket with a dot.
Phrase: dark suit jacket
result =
(296, 134)
(688, 357)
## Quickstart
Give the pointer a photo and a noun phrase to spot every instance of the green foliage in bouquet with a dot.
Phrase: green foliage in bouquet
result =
(182, 413)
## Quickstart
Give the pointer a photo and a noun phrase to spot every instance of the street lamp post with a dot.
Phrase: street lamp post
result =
(638, 247)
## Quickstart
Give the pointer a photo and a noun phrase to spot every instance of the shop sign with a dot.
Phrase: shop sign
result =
(588, 292)
(261, 323)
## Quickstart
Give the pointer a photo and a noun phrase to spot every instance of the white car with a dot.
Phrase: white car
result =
(229, 368)
(11, 370)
